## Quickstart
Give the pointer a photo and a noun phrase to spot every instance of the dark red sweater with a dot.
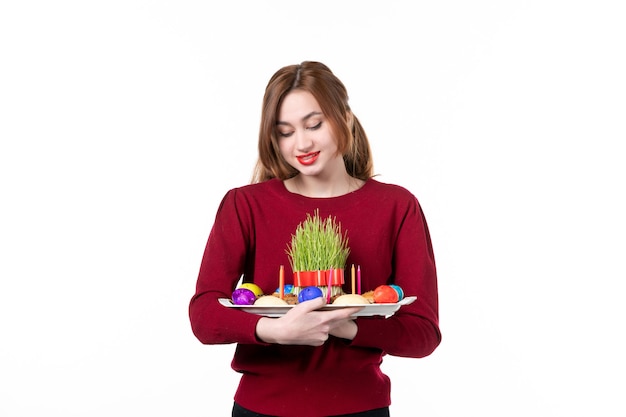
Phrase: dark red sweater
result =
(388, 238)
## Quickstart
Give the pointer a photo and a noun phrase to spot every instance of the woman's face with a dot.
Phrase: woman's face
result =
(305, 138)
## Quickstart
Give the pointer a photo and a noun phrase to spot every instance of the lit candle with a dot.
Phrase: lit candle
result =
(358, 279)
(281, 282)
(353, 279)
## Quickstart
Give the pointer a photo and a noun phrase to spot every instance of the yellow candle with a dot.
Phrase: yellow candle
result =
(353, 279)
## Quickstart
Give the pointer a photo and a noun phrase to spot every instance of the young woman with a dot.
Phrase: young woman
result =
(314, 156)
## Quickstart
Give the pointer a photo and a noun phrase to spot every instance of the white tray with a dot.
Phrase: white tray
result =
(387, 309)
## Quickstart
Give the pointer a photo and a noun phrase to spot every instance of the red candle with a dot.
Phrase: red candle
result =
(330, 281)
(281, 282)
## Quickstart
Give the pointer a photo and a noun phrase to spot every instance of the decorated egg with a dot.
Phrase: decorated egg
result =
(252, 287)
(288, 288)
(269, 300)
(398, 290)
(243, 297)
(309, 293)
(385, 294)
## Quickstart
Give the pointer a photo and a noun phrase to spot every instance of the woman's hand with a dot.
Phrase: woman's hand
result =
(302, 325)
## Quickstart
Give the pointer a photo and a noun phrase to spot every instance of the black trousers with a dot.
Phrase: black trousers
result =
(239, 411)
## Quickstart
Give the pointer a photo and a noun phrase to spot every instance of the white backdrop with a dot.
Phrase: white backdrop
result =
(123, 123)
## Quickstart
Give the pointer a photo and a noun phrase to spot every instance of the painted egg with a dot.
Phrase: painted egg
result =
(243, 297)
(288, 288)
(398, 290)
(252, 287)
(309, 293)
(385, 294)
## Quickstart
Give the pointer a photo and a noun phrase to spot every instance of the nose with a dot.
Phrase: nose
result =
(303, 141)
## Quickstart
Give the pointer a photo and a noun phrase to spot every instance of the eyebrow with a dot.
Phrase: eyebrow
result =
(305, 118)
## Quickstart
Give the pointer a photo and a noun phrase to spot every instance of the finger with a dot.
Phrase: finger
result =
(310, 305)
(343, 313)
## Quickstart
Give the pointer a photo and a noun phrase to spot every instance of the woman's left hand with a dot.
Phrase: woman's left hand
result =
(345, 329)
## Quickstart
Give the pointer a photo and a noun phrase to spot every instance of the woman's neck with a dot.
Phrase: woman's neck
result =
(323, 188)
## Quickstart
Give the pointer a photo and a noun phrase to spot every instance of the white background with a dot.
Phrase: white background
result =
(123, 123)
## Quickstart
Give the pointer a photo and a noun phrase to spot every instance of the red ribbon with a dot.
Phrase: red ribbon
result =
(317, 278)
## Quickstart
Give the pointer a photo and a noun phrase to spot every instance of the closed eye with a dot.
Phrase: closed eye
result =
(317, 126)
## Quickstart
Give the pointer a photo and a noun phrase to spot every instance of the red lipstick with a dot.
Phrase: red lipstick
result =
(309, 158)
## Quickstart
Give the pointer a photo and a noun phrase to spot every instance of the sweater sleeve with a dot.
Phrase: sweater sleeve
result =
(413, 331)
(222, 265)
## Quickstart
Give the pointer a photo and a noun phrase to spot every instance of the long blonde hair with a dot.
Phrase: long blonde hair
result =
(332, 96)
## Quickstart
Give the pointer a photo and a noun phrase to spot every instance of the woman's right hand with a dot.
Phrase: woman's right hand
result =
(303, 325)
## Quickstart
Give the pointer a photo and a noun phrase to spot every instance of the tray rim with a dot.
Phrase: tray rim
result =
(381, 309)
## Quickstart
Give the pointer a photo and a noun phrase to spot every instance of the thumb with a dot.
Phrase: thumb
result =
(311, 305)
